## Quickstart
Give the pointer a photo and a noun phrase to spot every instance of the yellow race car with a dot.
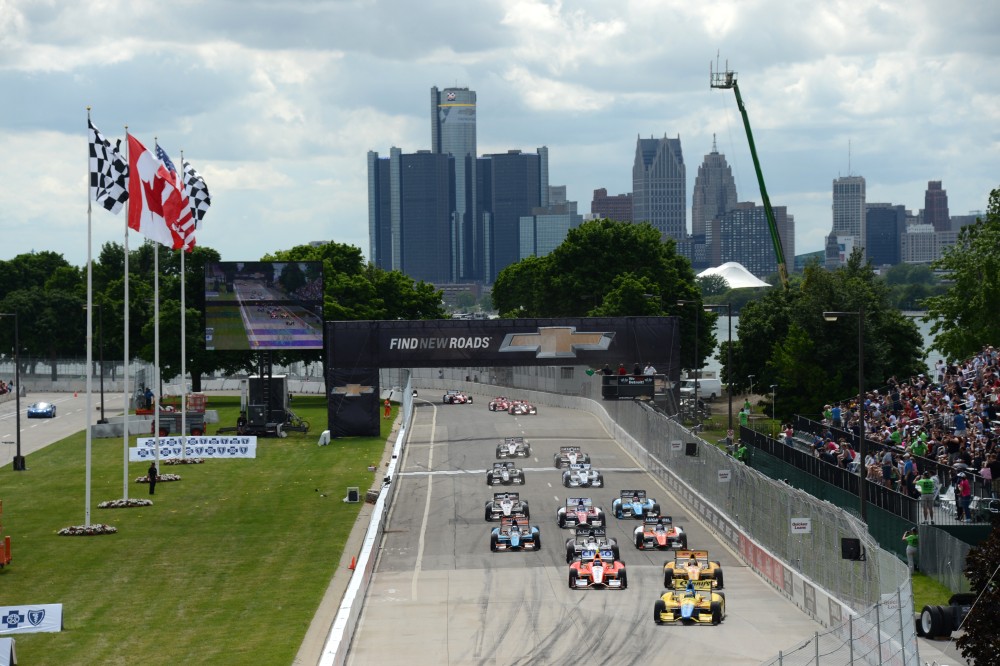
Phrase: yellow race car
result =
(691, 602)
(692, 565)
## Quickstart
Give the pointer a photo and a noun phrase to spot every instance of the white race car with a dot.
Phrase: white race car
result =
(569, 455)
(513, 447)
(506, 505)
(582, 475)
(504, 473)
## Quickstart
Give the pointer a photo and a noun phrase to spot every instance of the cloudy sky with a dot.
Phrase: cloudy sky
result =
(277, 103)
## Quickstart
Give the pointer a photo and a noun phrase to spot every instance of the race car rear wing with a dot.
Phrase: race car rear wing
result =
(577, 501)
(514, 497)
(563, 450)
(513, 440)
(627, 495)
(700, 555)
(587, 531)
(653, 519)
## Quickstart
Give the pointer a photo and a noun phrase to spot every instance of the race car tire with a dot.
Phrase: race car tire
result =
(555, 460)
(599, 483)
(493, 542)
(684, 542)
(659, 606)
(716, 612)
(602, 518)
(489, 512)
(639, 541)
(527, 451)
(668, 579)
(624, 579)
(572, 579)
(561, 519)
(493, 407)
(656, 508)
(570, 553)
(470, 399)
(525, 510)
(718, 579)
(566, 480)
(614, 551)
(538, 541)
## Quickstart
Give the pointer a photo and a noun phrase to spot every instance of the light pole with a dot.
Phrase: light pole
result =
(19, 465)
(773, 407)
(862, 448)
(751, 383)
(697, 316)
(729, 355)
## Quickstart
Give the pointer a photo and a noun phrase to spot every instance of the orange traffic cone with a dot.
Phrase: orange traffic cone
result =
(353, 563)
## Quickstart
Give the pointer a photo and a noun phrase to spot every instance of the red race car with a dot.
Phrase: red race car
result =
(597, 568)
(454, 397)
(499, 404)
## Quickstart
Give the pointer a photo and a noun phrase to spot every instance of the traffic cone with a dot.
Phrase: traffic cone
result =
(74, 394)
(353, 563)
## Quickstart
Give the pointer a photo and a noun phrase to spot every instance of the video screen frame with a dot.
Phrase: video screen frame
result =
(264, 305)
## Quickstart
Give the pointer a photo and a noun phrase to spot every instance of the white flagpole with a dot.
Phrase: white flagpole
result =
(180, 184)
(90, 333)
(156, 345)
(126, 396)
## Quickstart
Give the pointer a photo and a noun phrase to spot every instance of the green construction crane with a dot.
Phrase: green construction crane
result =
(727, 79)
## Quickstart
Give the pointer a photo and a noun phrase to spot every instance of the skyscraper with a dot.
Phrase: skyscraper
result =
(936, 207)
(617, 208)
(849, 210)
(511, 185)
(453, 132)
(714, 191)
(743, 235)
(885, 225)
(659, 182)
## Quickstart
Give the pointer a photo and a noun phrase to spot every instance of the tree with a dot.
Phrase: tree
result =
(980, 644)
(965, 316)
(713, 285)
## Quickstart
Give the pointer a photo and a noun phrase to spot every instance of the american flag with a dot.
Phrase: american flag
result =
(183, 232)
(108, 172)
(197, 191)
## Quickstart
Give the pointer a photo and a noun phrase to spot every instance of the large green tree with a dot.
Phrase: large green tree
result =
(609, 269)
(965, 316)
(784, 339)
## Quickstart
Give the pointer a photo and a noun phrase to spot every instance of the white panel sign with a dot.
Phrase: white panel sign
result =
(676, 445)
(201, 440)
(139, 453)
(802, 525)
(725, 475)
(30, 618)
(7, 655)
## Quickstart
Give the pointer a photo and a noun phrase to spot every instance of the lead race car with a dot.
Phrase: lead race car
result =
(499, 404)
(590, 539)
(634, 504)
(506, 505)
(569, 455)
(521, 407)
(692, 565)
(582, 476)
(504, 473)
(659, 533)
(456, 397)
(597, 568)
(515, 533)
(513, 447)
(690, 602)
(580, 511)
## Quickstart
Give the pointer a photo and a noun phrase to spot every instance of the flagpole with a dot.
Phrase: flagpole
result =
(90, 353)
(180, 184)
(156, 343)
(126, 397)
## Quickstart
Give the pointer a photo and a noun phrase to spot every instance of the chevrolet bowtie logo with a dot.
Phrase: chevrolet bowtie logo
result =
(556, 342)
(353, 390)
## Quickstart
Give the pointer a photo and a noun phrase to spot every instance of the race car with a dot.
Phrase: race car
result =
(519, 407)
(580, 511)
(659, 533)
(692, 565)
(513, 447)
(454, 397)
(41, 410)
(597, 568)
(515, 533)
(691, 602)
(499, 404)
(590, 538)
(569, 455)
(506, 505)
(505, 473)
(582, 476)
(634, 504)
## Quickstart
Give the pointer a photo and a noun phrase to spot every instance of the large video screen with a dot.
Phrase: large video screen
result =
(261, 305)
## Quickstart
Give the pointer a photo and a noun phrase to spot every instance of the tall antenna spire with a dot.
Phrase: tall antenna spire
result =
(848, 157)
(714, 149)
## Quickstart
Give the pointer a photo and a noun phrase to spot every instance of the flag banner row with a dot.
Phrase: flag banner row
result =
(143, 453)
(200, 440)
(30, 618)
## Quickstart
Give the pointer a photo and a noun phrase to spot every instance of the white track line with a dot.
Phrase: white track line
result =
(427, 510)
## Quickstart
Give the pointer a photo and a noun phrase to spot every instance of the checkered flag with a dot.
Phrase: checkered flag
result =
(108, 172)
(197, 192)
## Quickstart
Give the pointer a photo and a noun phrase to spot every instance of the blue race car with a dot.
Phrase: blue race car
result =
(42, 410)
(634, 504)
(515, 533)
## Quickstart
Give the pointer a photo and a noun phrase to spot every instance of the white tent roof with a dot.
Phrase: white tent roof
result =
(737, 276)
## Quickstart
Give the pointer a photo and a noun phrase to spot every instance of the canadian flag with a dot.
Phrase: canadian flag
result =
(155, 206)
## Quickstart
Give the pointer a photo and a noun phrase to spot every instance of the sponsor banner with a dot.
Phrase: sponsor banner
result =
(802, 525)
(30, 618)
(138, 453)
(203, 440)
(353, 404)
(506, 342)
(763, 562)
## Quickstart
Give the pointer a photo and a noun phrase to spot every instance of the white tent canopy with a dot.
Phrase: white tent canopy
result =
(737, 276)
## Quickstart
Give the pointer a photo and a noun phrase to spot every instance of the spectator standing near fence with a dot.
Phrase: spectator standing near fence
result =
(912, 540)
(928, 489)
(963, 497)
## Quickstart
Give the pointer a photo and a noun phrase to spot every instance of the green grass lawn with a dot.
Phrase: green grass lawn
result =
(928, 592)
(227, 567)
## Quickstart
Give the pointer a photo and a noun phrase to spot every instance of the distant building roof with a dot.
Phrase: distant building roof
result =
(737, 276)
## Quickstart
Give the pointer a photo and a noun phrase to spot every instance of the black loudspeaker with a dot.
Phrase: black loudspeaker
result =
(850, 549)
(691, 448)
(353, 495)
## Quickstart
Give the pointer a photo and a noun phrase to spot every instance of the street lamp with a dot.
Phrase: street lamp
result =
(697, 316)
(751, 383)
(19, 465)
(774, 405)
(729, 355)
(862, 449)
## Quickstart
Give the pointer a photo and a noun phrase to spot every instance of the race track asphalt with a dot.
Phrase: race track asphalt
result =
(440, 596)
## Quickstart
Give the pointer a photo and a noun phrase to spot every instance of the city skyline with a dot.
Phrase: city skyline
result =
(279, 120)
